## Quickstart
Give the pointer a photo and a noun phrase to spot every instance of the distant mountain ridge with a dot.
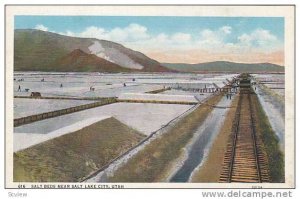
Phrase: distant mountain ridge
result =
(36, 50)
(225, 66)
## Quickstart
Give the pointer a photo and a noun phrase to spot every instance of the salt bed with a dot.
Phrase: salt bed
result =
(25, 107)
(25, 140)
(107, 85)
(157, 97)
(273, 87)
(279, 91)
(131, 89)
(273, 77)
(143, 117)
(81, 89)
(117, 78)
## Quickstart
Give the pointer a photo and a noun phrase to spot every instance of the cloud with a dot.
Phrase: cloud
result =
(259, 38)
(92, 32)
(209, 38)
(135, 36)
(138, 37)
(214, 40)
(221, 40)
(226, 29)
(245, 39)
(136, 32)
(41, 27)
(181, 37)
(131, 33)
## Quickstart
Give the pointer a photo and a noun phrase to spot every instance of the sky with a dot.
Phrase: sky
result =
(177, 39)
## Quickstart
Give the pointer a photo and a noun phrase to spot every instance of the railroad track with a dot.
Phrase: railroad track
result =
(245, 159)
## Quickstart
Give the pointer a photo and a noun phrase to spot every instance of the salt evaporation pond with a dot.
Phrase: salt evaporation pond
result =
(145, 118)
(275, 82)
(108, 85)
(24, 107)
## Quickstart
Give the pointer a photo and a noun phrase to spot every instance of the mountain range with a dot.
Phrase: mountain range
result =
(36, 50)
(225, 66)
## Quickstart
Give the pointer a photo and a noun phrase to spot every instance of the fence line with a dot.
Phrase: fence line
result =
(159, 90)
(42, 116)
(156, 101)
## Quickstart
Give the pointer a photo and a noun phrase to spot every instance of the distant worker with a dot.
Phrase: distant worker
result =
(61, 85)
(43, 80)
(19, 89)
(124, 85)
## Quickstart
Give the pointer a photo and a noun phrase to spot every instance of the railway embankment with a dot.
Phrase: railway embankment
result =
(195, 152)
(265, 137)
(211, 168)
(275, 111)
(271, 142)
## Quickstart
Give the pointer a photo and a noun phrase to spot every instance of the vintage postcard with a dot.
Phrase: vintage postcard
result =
(149, 96)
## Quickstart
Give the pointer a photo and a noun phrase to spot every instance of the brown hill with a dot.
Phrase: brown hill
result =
(36, 50)
(79, 61)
